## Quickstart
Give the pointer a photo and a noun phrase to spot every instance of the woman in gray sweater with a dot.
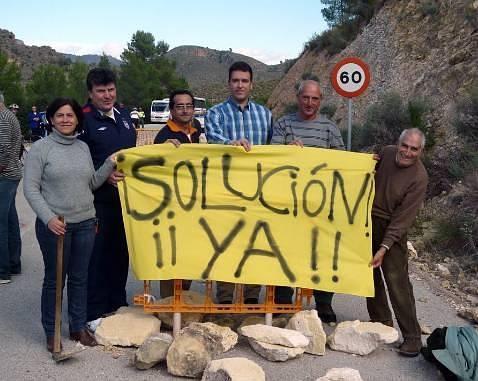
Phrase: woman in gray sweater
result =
(59, 180)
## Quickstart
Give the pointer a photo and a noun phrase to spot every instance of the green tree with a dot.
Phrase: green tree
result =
(10, 81)
(47, 83)
(145, 73)
(12, 89)
(335, 12)
(104, 62)
(341, 12)
(76, 81)
(143, 46)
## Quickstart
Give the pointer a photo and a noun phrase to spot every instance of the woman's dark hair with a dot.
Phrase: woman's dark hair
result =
(60, 102)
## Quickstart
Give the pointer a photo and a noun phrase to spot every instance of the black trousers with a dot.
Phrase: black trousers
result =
(108, 269)
(395, 272)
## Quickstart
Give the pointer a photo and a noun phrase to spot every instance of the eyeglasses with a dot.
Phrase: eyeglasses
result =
(181, 107)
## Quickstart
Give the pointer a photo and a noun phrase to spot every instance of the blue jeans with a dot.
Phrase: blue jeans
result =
(10, 242)
(78, 245)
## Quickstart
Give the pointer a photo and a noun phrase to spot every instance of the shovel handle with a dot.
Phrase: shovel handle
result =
(58, 290)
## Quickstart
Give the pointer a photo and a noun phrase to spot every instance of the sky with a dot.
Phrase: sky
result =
(270, 31)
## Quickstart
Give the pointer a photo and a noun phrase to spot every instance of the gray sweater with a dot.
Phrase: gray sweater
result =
(60, 177)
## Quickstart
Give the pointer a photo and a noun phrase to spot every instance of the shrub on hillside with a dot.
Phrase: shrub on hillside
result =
(332, 40)
(386, 119)
(288, 64)
(462, 162)
(345, 19)
(429, 8)
(453, 223)
(328, 109)
(466, 120)
(384, 122)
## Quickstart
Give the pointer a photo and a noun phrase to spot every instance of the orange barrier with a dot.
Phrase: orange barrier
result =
(148, 301)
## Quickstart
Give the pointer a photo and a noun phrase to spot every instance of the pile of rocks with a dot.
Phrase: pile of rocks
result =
(197, 349)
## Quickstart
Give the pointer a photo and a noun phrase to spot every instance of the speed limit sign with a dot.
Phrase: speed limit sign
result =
(350, 77)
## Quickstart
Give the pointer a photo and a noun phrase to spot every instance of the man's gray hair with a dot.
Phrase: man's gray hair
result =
(305, 82)
(2, 98)
(412, 131)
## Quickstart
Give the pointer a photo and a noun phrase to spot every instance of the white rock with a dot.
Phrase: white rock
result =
(385, 334)
(233, 369)
(152, 351)
(224, 336)
(360, 338)
(130, 326)
(189, 297)
(280, 321)
(274, 352)
(275, 335)
(196, 345)
(426, 330)
(341, 374)
(412, 252)
(309, 324)
(188, 356)
(443, 270)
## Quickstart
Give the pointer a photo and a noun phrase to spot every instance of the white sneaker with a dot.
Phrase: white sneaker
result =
(92, 325)
(5, 281)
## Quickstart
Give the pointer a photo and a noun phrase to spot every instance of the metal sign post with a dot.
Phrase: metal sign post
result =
(350, 77)
(349, 129)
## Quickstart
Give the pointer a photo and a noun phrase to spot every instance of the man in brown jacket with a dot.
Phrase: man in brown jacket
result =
(400, 185)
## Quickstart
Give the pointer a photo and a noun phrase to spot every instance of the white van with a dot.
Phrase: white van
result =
(160, 110)
(200, 109)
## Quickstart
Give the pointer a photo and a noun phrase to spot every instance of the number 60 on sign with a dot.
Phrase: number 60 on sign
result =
(350, 77)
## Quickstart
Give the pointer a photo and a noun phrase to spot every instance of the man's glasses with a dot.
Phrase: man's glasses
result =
(182, 107)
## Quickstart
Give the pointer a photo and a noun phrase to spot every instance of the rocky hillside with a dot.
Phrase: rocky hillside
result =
(92, 59)
(433, 56)
(206, 70)
(28, 57)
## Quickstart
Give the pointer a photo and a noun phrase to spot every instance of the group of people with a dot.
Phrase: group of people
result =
(137, 117)
(71, 174)
(400, 185)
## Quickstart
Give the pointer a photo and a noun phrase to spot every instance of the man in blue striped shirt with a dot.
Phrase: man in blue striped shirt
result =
(240, 122)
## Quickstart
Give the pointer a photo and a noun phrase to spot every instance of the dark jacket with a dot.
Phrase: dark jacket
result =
(104, 137)
(169, 131)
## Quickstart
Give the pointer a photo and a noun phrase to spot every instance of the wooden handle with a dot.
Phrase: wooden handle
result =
(58, 290)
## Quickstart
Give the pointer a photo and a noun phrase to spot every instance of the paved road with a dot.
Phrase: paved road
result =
(23, 355)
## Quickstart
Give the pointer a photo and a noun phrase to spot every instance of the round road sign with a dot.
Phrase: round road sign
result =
(350, 77)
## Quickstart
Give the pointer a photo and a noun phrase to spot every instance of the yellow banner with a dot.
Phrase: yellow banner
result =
(277, 215)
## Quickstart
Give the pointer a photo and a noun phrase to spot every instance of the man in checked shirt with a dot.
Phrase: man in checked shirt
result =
(240, 122)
